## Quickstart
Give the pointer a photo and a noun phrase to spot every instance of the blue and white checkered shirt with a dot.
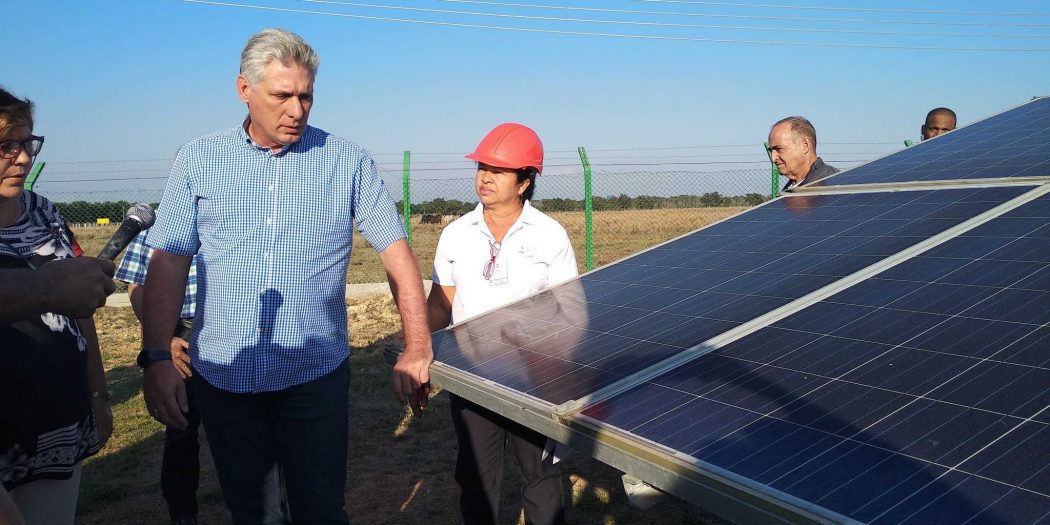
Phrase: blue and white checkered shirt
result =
(272, 233)
(132, 269)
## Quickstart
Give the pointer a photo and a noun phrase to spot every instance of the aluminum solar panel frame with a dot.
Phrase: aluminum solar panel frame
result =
(920, 394)
(1010, 145)
(504, 360)
(673, 364)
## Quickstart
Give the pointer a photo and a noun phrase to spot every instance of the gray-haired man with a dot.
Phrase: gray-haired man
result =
(793, 148)
(269, 209)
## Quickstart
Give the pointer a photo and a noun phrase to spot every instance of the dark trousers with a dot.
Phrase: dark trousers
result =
(482, 436)
(181, 466)
(275, 445)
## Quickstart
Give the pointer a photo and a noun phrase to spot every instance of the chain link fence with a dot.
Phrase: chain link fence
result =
(631, 211)
(640, 197)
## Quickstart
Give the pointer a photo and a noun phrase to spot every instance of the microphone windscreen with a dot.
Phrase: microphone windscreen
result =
(138, 218)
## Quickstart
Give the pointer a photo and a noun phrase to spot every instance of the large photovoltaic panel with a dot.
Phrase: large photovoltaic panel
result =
(876, 350)
(1009, 145)
(921, 395)
(592, 332)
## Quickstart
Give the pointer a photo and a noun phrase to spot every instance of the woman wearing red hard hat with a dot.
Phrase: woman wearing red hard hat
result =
(502, 251)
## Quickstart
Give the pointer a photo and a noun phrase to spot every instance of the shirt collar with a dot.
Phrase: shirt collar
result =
(528, 214)
(813, 168)
(244, 136)
(817, 166)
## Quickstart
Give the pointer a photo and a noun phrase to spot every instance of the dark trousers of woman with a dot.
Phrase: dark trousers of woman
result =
(281, 456)
(181, 466)
(483, 437)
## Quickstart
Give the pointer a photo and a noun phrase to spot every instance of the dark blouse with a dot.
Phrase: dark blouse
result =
(46, 424)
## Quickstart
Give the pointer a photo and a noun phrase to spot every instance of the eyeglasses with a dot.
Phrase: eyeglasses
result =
(11, 148)
(491, 264)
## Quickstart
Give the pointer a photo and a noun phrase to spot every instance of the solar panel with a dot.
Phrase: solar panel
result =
(593, 332)
(1008, 145)
(851, 353)
(919, 395)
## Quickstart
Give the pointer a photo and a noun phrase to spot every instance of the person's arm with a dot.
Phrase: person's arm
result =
(96, 377)
(73, 287)
(135, 297)
(179, 347)
(162, 301)
(439, 306)
(9, 514)
(412, 371)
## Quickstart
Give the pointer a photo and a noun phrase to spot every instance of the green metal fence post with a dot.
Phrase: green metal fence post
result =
(588, 210)
(774, 185)
(406, 200)
(33, 174)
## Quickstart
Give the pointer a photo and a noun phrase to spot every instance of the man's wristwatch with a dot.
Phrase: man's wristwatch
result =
(148, 357)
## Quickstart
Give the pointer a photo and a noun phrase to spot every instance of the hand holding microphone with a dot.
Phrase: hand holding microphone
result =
(77, 287)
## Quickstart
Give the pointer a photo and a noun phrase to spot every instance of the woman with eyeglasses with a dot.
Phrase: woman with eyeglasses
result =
(502, 251)
(55, 407)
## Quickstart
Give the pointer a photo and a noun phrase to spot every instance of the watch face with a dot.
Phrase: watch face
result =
(147, 357)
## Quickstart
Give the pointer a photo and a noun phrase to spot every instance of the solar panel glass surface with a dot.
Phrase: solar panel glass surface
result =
(1010, 144)
(587, 334)
(921, 395)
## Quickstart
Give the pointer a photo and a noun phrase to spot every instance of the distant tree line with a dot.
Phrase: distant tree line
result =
(83, 211)
(622, 202)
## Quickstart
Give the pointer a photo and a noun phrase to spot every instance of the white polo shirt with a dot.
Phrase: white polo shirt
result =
(535, 254)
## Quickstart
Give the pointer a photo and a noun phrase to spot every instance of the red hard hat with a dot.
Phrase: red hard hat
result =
(512, 146)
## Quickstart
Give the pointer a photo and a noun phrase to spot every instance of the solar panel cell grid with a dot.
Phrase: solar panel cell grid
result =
(921, 395)
(694, 288)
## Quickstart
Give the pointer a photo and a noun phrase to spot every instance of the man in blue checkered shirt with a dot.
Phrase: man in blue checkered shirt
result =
(267, 208)
(180, 463)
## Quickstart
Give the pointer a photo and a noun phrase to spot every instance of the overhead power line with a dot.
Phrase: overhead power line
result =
(838, 8)
(618, 35)
(865, 21)
(666, 24)
(107, 161)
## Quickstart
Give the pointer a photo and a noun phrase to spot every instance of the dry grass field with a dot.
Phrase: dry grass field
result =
(400, 468)
(616, 235)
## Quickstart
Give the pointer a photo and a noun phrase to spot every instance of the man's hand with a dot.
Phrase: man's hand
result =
(77, 286)
(412, 378)
(103, 419)
(180, 357)
(165, 394)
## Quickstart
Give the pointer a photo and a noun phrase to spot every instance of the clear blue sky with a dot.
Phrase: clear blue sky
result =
(121, 80)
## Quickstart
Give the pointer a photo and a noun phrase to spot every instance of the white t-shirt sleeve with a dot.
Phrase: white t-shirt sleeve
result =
(442, 272)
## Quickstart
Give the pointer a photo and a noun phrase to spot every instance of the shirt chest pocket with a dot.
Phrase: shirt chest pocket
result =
(533, 268)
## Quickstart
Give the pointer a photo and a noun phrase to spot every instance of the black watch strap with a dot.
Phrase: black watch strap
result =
(148, 357)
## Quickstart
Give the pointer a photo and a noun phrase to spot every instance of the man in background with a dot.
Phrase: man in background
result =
(180, 463)
(938, 122)
(793, 148)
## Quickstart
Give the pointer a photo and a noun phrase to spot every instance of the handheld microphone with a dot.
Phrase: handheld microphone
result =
(138, 218)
